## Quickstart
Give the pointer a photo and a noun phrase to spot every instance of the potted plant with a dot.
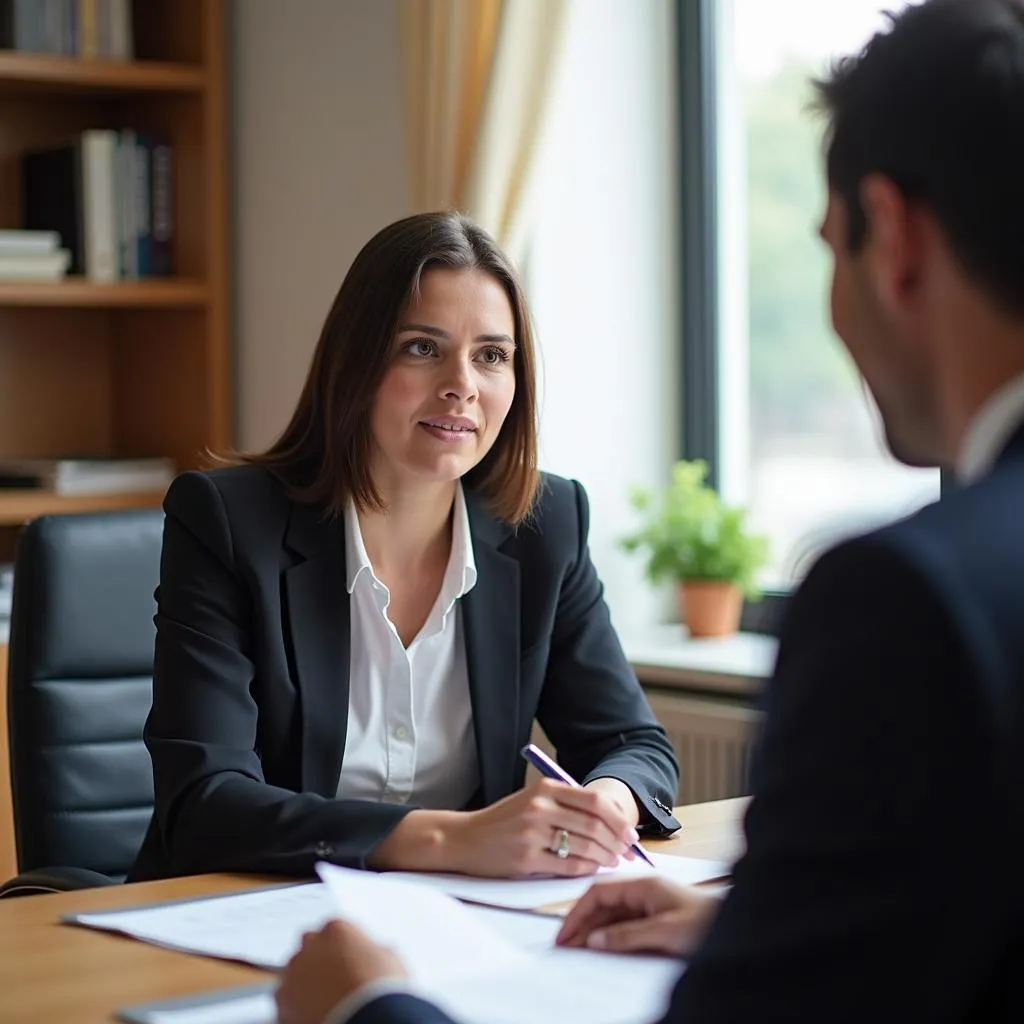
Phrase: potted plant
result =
(697, 542)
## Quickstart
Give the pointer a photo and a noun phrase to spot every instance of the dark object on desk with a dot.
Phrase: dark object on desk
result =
(79, 686)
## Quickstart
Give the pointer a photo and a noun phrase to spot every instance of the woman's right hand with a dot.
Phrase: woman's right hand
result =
(518, 835)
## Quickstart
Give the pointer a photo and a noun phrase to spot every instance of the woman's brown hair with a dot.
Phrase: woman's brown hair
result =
(323, 456)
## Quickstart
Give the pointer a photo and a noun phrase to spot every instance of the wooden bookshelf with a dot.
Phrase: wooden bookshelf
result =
(31, 72)
(151, 293)
(17, 507)
(133, 367)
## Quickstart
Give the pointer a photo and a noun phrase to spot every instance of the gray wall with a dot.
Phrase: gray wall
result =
(318, 168)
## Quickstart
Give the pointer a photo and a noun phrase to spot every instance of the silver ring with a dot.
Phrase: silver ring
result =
(561, 850)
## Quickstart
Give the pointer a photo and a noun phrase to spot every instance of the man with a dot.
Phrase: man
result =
(884, 873)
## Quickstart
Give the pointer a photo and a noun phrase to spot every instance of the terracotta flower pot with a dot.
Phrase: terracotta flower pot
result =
(710, 607)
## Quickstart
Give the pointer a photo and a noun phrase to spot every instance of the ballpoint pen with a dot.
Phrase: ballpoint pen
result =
(547, 767)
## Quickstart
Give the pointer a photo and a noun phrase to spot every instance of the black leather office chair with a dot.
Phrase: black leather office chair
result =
(79, 688)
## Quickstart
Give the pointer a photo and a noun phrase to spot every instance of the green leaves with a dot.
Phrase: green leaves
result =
(689, 534)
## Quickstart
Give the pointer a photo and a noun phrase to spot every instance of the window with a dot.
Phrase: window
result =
(772, 401)
(602, 275)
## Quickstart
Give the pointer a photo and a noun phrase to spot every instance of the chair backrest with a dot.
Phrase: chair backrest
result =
(80, 684)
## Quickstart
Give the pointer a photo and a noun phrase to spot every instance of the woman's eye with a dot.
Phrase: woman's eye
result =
(494, 356)
(420, 347)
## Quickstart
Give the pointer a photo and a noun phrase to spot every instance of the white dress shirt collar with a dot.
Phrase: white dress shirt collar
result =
(990, 431)
(409, 735)
(459, 576)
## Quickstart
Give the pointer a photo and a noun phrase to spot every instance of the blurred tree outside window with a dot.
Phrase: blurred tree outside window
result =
(816, 465)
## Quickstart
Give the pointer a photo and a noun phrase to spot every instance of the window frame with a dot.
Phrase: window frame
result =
(698, 42)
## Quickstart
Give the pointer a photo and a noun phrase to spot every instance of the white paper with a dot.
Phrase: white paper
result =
(259, 1009)
(535, 932)
(434, 936)
(565, 986)
(531, 893)
(458, 959)
(263, 928)
(482, 965)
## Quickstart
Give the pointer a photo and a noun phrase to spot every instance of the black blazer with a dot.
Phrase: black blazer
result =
(883, 877)
(250, 685)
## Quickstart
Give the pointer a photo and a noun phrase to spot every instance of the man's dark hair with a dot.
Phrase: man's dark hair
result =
(936, 104)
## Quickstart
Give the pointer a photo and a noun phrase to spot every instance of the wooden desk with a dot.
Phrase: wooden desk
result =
(52, 972)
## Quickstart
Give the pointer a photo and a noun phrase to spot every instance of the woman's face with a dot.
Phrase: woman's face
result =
(450, 382)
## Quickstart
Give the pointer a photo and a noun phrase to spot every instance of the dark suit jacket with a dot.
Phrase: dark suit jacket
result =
(250, 687)
(883, 877)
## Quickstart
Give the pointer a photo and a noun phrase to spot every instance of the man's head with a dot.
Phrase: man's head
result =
(925, 165)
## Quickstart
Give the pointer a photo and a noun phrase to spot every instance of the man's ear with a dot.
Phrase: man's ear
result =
(892, 245)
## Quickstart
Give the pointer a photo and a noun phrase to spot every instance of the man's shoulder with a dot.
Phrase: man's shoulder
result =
(949, 570)
(970, 534)
(969, 530)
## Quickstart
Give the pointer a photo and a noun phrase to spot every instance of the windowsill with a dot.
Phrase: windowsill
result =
(737, 664)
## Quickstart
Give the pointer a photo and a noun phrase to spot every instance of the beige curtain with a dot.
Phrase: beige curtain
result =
(478, 75)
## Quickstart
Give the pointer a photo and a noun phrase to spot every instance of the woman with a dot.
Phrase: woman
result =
(357, 627)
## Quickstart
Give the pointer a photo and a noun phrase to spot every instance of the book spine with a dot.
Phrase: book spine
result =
(121, 36)
(28, 243)
(7, 32)
(53, 34)
(28, 25)
(51, 199)
(162, 223)
(88, 29)
(99, 149)
(71, 39)
(62, 42)
(51, 267)
(127, 227)
(143, 212)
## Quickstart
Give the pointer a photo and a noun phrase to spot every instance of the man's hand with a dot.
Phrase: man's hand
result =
(644, 914)
(331, 964)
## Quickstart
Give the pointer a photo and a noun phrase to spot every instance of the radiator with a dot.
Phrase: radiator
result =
(712, 740)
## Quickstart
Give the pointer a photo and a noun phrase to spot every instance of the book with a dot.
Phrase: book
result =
(72, 189)
(87, 475)
(107, 196)
(48, 267)
(28, 243)
(149, 212)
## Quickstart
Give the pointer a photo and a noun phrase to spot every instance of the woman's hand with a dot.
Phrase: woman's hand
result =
(619, 793)
(640, 915)
(520, 834)
(330, 965)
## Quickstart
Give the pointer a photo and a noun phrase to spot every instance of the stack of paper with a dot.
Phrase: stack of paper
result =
(534, 893)
(492, 966)
(478, 975)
